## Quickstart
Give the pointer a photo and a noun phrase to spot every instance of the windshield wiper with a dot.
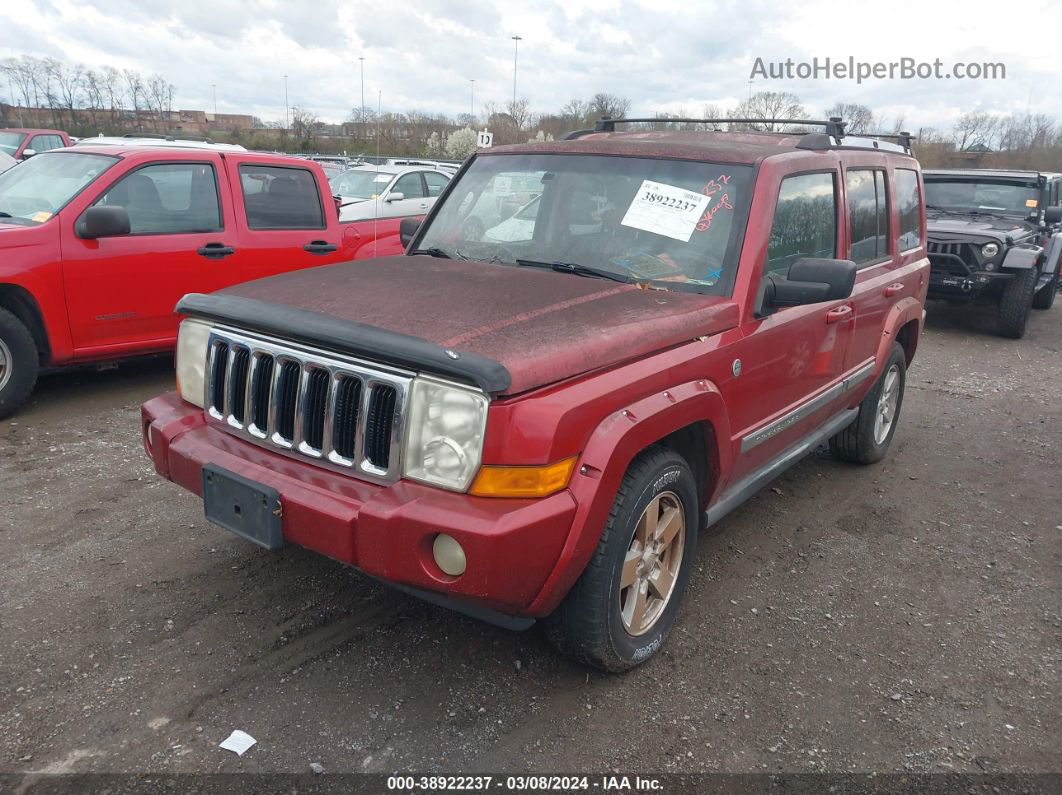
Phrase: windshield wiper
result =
(434, 251)
(576, 269)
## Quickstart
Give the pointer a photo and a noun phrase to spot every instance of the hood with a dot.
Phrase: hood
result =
(996, 227)
(506, 328)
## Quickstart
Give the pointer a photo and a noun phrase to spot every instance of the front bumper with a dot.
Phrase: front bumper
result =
(511, 545)
(946, 284)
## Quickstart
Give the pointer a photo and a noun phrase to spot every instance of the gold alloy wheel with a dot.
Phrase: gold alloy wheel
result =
(651, 567)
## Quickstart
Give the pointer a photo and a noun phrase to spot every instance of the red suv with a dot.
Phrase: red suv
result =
(21, 142)
(538, 424)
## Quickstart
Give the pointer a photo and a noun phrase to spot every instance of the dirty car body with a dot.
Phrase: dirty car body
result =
(462, 421)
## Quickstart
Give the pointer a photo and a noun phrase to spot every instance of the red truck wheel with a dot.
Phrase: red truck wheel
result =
(867, 439)
(623, 606)
(19, 363)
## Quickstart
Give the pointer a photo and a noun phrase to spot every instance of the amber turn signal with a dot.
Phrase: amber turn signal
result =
(523, 481)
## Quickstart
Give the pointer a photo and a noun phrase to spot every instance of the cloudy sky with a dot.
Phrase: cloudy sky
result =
(664, 55)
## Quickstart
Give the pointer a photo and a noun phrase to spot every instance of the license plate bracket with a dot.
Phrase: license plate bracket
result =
(250, 510)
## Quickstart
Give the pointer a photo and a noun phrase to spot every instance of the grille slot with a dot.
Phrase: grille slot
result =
(379, 425)
(342, 413)
(241, 362)
(345, 415)
(315, 402)
(286, 400)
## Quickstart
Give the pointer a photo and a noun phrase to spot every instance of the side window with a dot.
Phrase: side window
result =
(43, 143)
(908, 203)
(868, 213)
(436, 182)
(281, 198)
(410, 186)
(805, 221)
(168, 199)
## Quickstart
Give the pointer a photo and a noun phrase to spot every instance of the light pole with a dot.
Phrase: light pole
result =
(285, 102)
(215, 87)
(361, 110)
(516, 51)
(472, 102)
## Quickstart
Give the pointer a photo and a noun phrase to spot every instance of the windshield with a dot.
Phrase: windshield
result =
(360, 184)
(9, 141)
(1011, 198)
(42, 185)
(671, 222)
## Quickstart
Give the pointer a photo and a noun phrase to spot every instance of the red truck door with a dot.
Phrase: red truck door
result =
(793, 358)
(287, 219)
(121, 291)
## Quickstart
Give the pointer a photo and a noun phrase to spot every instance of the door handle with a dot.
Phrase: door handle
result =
(893, 289)
(320, 247)
(215, 250)
(840, 314)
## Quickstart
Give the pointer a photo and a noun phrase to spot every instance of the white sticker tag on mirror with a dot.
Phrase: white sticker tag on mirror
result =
(666, 210)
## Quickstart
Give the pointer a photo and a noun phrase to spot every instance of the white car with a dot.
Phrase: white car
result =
(6, 162)
(367, 192)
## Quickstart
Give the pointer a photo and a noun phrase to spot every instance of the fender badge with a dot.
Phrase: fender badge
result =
(452, 354)
(736, 367)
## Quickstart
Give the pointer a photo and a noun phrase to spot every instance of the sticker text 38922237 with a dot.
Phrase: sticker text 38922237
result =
(666, 210)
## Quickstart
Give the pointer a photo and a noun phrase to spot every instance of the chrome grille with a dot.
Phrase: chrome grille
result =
(339, 411)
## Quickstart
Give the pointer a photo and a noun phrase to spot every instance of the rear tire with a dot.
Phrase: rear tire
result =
(1045, 298)
(867, 440)
(612, 626)
(1016, 303)
(19, 363)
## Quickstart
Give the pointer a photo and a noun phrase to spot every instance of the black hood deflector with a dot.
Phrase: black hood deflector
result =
(346, 336)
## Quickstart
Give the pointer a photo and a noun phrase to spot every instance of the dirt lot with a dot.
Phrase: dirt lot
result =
(903, 617)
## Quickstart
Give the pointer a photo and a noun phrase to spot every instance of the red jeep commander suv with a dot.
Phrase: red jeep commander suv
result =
(536, 421)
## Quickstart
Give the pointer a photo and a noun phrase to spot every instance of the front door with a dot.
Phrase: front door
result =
(121, 291)
(793, 358)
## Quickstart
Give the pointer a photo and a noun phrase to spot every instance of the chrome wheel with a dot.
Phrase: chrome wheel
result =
(651, 567)
(887, 404)
(5, 364)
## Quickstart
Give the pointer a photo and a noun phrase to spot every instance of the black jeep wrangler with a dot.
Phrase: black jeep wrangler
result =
(994, 236)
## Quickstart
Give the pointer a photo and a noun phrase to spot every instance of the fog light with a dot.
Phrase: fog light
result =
(449, 556)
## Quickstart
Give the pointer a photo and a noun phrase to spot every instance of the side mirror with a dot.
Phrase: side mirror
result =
(407, 230)
(810, 281)
(1053, 215)
(28, 153)
(394, 197)
(103, 221)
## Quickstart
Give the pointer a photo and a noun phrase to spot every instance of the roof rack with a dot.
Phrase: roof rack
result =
(160, 137)
(832, 136)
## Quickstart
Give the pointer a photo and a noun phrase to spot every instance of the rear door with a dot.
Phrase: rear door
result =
(284, 224)
(414, 199)
(121, 291)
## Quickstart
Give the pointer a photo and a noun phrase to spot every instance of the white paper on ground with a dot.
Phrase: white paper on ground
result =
(666, 210)
(238, 742)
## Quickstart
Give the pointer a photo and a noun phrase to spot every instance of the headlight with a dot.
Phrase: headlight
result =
(192, 339)
(989, 250)
(445, 440)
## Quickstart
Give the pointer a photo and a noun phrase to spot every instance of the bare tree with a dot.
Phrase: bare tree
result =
(768, 105)
(603, 104)
(858, 118)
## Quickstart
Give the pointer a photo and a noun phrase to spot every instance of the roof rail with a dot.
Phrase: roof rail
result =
(834, 125)
(903, 138)
(160, 137)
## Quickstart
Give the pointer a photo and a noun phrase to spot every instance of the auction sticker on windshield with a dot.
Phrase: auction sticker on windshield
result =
(666, 210)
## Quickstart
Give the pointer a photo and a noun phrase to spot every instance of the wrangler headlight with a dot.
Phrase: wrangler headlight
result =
(445, 439)
(989, 250)
(192, 339)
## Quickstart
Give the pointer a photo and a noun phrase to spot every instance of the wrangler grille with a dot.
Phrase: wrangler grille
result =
(341, 412)
(956, 258)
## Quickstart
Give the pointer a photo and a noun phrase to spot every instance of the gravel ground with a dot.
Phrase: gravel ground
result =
(898, 618)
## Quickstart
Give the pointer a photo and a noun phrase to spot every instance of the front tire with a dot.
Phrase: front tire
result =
(1016, 303)
(1045, 298)
(867, 440)
(19, 363)
(621, 609)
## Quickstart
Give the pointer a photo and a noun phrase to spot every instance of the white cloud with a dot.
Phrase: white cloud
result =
(662, 54)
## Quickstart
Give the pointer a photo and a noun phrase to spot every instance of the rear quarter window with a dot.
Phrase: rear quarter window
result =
(908, 203)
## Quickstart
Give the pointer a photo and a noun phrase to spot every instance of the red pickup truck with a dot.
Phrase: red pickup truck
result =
(539, 424)
(22, 143)
(99, 241)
